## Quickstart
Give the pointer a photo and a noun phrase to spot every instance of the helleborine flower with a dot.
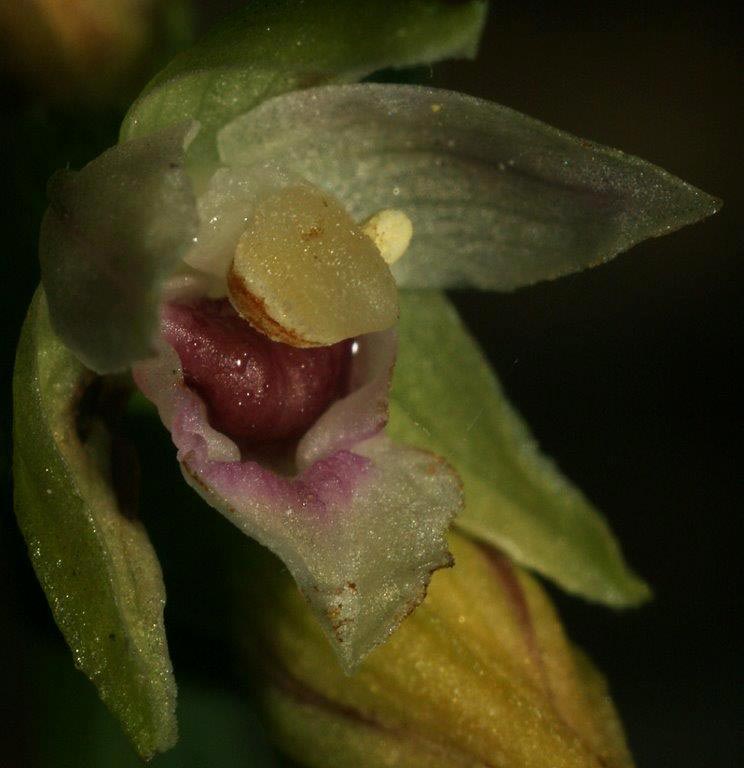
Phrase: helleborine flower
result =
(245, 234)
(481, 675)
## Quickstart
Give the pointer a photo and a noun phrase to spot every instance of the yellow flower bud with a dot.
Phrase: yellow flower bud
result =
(80, 49)
(480, 675)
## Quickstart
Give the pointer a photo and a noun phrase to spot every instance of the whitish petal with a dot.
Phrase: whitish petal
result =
(361, 414)
(497, 199)
(225, 208)
(114, 232)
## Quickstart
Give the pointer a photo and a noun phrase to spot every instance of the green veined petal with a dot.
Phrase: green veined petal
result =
(275, 46)
(498, 200)
(96, 565)
(445, 398)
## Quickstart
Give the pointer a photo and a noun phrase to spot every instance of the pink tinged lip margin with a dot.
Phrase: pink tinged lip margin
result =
(361, 525)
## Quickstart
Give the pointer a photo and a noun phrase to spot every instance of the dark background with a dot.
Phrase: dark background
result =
(626, 373)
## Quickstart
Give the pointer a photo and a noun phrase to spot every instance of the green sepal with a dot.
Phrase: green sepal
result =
(446, 398)
(275, 46)
(94, 561)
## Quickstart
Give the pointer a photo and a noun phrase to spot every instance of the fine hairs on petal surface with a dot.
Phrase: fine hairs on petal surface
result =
(497, 199)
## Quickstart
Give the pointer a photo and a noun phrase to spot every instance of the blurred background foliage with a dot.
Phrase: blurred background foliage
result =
(626, 373)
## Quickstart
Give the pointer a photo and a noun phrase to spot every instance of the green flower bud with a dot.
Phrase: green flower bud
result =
(481, 674)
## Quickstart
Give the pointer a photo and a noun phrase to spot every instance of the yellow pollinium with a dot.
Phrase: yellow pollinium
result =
(304, 273)
(391, 231)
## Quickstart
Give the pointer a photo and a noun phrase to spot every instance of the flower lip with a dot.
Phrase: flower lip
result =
(256, 390)
(349, 506)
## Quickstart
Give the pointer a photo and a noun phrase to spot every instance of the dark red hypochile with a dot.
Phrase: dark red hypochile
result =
(257, 391)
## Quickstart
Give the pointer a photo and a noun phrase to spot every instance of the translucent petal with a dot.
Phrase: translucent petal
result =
(362, 413)
(225, 207)
(446, 398)
(112, 235)
(497, 199)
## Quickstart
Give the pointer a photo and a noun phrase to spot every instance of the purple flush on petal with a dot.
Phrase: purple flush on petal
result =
(256, 390)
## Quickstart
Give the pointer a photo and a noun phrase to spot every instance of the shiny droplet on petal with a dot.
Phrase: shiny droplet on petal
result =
(305, 274)
(256, 390)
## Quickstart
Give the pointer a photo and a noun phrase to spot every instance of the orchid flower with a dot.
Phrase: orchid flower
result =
(244, 252)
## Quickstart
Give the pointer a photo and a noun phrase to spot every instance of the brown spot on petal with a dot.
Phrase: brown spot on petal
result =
(312, 233)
